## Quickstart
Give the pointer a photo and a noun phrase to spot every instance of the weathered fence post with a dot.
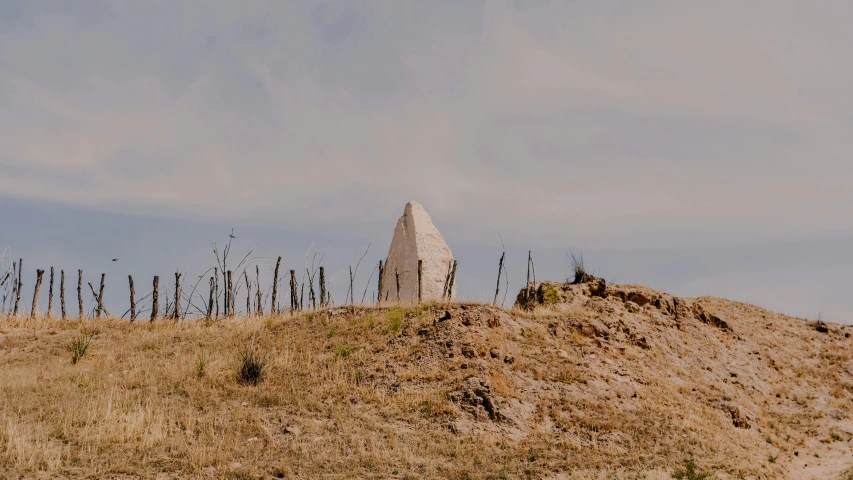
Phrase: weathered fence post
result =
(452, 281)
(225, 291)
(132, 299)
(80, 294)
(210, 302)
(311, 296)
(155, 298)
(322, 287)
(500, 269)
(444, 292)
(14, 285)
(380, 283)
(533, 268)
(18, 291)
(62, 292)
(50, 295)
(274, 307)
(420, 280)
(230, 301)
(177, 314)
(101, 296)
(39, 273)
(293, 302)
(216, 288)
(351, 287)
(259, 309)
(248, 295)
(527, 289)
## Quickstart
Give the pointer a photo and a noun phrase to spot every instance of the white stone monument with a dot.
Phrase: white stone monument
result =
(416, 238)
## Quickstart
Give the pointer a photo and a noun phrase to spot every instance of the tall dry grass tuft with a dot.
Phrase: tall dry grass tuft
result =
(79, 345)
(252, 363)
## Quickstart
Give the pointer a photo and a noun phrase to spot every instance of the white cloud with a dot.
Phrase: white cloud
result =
(621, 122)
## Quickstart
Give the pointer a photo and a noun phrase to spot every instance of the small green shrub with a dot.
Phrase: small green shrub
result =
(688, 472)
(79, 345)
(395, 320)
(201, 364)
(549, 295)
(252, 364)
(343, 350)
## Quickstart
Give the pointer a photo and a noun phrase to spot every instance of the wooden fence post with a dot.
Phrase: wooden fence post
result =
(98, 298)
(132, 299)
(177, 314)
(274, 307)
(14, 285)
(452, 281)
(293, 300)
(533, 268)
(50, 295)
(225, 292)
(62, 292)
(248, 294)
(216, 288)
(230, 300)
(80, 294)
(18, 291)
(210, 302)
(101, 296)
(322, 286)
(155, 297)
(259, 310)
(420, 280)
(527, 289)
(351, 292)
(380, 283)
(500, 269)
(39, 273)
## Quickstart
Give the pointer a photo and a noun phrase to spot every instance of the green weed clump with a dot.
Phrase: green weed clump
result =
(395, 320)
(80, 344)
(689, 472)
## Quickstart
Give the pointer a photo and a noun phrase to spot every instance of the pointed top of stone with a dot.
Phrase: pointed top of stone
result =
(416, 238)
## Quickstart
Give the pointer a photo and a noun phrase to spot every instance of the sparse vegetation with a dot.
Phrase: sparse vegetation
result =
(395, 320)
(549, 295)
(689, 472)
(343, 350)
(252, 364)
(430, 392)
(577, 267)
(80, 344)
(201, 364)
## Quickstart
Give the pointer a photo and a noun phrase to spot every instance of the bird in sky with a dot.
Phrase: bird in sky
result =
(115, 259)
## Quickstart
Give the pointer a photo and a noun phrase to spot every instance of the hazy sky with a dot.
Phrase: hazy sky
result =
(697, 147)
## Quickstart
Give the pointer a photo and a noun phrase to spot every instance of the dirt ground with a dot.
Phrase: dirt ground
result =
(578, 381)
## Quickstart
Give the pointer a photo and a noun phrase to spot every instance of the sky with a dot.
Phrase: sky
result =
(702, 148)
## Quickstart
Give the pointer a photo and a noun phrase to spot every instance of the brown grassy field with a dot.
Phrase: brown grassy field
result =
(617, 383)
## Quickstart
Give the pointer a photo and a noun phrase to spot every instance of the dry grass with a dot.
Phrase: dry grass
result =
(367, 393)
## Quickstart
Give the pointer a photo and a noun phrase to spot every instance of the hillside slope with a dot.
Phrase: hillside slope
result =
(579, 381)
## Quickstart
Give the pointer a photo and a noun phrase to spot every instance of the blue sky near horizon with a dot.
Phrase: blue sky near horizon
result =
(699, 148)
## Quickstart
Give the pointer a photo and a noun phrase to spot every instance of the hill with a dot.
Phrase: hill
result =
(583, 380)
